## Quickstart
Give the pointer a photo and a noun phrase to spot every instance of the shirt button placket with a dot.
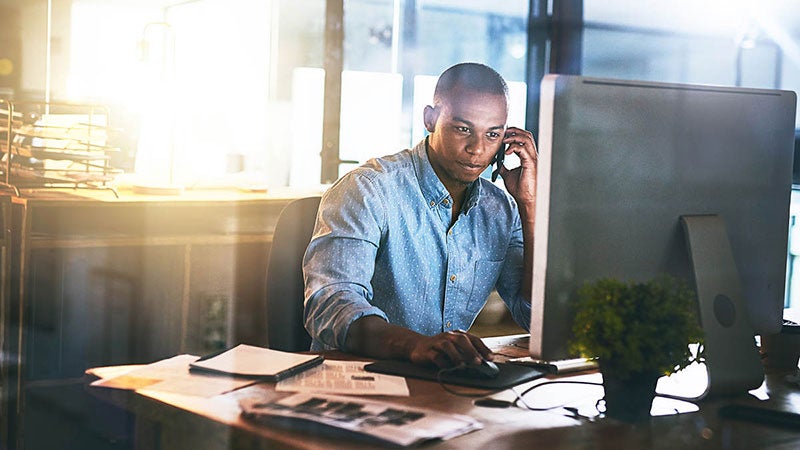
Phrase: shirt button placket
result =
(449, 324)
(450, 290)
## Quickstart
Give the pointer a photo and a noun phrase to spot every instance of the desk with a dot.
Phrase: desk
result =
(169, 421)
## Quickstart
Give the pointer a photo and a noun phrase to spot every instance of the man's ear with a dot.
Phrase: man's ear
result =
(429, 116)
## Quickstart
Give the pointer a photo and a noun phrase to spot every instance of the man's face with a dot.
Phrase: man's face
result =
(466, 131)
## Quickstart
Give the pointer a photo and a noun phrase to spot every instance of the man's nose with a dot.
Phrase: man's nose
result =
(477, 145)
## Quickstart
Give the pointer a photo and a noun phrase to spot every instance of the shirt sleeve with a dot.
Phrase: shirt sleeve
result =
(340, 260)
(509, 284)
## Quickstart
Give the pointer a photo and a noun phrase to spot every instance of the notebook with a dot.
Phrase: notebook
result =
(256, 362)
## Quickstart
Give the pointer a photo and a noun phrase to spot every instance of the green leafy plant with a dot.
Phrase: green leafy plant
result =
(637, 327)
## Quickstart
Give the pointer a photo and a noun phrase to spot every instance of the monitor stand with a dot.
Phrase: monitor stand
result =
(732, 359)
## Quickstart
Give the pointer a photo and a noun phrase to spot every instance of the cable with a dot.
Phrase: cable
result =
(519, 401)
(521, 397)
(677, 397)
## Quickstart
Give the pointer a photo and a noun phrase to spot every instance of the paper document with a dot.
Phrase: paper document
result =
(378, 420)
(344, 377)
(172, 375)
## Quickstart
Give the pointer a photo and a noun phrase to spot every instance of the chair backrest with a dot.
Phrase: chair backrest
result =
(285, 329)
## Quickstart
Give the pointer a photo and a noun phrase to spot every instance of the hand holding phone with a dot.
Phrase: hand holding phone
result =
(499, 157)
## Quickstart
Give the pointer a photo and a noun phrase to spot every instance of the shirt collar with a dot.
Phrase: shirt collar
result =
(473, 195)
(432, 188)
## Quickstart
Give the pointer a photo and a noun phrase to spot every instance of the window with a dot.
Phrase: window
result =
(232, 92)
(395, 49)
(751, 44)
(247, 76)
(207, 85)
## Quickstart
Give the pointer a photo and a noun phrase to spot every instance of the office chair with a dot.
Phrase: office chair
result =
(285, 330)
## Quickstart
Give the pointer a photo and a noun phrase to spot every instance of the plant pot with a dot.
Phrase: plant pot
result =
(629, 398)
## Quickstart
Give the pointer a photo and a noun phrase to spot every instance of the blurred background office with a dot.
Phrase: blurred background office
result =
(293, 93)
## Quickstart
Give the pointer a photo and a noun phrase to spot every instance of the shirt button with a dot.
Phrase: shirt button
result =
(433, 203)
(448, 324)
(446, 202)
(452, 278)
(450, 232)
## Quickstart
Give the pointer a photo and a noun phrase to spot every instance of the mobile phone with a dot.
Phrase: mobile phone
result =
(499, 157)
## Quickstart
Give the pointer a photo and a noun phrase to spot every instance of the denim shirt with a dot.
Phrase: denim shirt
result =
(382, 245)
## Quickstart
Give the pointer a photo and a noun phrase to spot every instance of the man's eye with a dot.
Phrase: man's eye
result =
(464, 130)
(493, 135)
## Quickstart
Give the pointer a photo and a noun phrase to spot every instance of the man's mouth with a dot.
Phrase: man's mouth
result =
(471, 166)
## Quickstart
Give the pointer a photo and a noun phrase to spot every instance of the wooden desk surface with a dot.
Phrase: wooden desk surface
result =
(127, 195)
(63, 218)
(177, 421)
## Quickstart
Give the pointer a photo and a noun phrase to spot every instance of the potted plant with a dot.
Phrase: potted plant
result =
(638, 332)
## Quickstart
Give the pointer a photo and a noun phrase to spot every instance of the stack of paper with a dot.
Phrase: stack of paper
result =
(214, 374)
(170, 375)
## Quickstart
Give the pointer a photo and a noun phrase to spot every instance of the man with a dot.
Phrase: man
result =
(407, 247)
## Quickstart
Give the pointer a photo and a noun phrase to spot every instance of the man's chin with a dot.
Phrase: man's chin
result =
(464, 178)
(468, 178)
(466, 181)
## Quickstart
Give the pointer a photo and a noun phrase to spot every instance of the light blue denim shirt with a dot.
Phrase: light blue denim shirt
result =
(382, 246)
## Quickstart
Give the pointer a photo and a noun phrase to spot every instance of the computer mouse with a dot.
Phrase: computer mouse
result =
(486, 369)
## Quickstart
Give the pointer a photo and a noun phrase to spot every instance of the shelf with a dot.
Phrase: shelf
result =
(55, 145)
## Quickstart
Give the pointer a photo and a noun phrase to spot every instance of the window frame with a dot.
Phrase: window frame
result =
(554, 42)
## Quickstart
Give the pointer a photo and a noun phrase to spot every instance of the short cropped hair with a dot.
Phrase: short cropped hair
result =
(473, 76)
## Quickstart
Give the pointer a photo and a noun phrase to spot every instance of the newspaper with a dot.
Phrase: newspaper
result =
(369, 419)
(344, 377)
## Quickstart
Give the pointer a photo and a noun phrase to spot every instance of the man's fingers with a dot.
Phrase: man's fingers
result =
(449, 350)
(485, 352)
(520, 142)
(467, 347)
(456, 348)
(518, 136)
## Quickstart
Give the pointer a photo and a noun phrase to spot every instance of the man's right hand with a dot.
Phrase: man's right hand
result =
(449, 349)
(374, 337)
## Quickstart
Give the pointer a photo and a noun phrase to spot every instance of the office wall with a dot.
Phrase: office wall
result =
(10, 50)
(33, 34)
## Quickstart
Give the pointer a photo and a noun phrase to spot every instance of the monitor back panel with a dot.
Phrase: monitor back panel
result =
(621, 161)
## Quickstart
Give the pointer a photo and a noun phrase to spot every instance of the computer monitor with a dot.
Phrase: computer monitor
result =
(620, 162)
(796, 165)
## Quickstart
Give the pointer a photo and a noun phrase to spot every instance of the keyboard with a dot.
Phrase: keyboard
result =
(557, 366)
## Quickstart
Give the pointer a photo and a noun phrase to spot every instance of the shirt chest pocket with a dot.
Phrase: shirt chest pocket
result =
(483, 281)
